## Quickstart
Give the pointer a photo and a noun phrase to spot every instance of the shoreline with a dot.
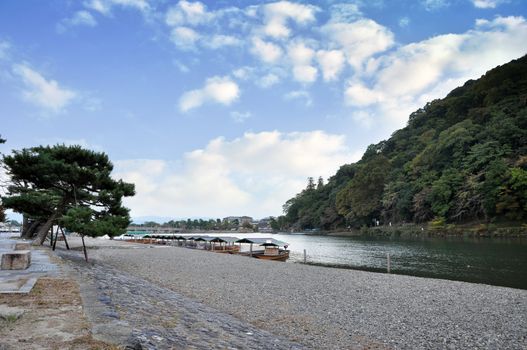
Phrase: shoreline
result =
(419, 231)
(323, 307)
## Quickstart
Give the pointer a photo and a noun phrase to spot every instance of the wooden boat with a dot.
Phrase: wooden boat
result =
(271, 251)
(282, 255)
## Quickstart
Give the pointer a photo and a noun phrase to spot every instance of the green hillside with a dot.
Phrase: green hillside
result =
(460, 159)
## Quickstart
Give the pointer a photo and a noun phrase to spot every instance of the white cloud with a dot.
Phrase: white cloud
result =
(185, 38)
(217, 89)
(301, 57)
(266, 51)
(183, 68)
(4, 49)
(240, 117)
(300, 95)
(431, 5)
(414, 74)
(344, 13)
(80, 18)
(364, 118)
(188, 13)
(268, 80)
(305, 73)
(359, 40)
(253, 175)
(358, 95)
(41, 92)
(277, 15)
(404, 22)
(331, 62)
(105, 6)
(218, 41)
(242, 73)
(487, 4)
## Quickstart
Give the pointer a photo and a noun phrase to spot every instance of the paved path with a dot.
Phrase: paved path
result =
(142, 315)
(22, 281)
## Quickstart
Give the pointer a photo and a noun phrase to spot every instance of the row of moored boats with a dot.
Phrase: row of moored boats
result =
(261, 248)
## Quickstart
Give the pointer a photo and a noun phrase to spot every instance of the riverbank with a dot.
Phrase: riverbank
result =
(322, 307)
(426, 230)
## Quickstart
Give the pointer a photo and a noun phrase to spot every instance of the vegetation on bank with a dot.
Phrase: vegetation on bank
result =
(461, 159)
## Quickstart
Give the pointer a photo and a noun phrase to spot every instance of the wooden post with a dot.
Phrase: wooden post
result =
(388, 262)
(56, 238)
(64, 236)
(251, 250)
(51, 240)
(305, 256)
(84, 248)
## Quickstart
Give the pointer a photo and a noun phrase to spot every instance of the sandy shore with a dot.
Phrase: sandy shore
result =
(333, 308)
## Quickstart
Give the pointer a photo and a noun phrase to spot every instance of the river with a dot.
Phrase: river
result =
(501, 262)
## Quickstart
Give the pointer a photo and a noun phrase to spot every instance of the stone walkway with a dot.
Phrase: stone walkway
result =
(22, 281)
(132, 311)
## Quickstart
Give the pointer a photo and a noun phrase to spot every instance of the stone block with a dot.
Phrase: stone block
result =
(23, 246)
(16, 260)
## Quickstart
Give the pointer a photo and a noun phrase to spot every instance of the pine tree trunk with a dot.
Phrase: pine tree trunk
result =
(44, 229)
(25, 226)
(28, 234)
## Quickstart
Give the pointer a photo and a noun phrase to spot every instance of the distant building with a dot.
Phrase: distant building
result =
(241, 219)
(264, 225)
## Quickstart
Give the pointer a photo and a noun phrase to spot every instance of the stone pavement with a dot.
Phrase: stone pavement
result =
(133, 312)
(22, 281)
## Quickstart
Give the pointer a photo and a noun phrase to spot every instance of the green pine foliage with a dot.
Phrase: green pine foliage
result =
(460, 159)
(69, 186)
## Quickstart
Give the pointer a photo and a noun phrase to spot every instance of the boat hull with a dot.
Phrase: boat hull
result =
(283, 256)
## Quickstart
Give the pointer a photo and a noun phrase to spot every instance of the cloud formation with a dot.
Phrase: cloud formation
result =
(413, 74)
(79, 18)
(42, 92)
(220, 90)
(487, 4)
(104, 7)
(252, 175)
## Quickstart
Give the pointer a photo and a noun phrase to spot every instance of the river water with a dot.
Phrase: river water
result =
(501, 262)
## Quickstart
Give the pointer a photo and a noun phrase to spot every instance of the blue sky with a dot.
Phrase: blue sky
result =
(226, 107)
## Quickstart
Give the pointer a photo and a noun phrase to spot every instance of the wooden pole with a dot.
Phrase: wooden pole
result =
(305, 256)
(84, 248)
(251, 250)
(56, 238)
(51, 240)
(64, 236)
(388, 262)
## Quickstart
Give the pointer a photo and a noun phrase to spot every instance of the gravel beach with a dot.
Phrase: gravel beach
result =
(326, 308)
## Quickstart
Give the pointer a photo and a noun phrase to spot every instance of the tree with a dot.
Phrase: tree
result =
(67, 185)
(310, 184)
(320, 183)
(362, 197)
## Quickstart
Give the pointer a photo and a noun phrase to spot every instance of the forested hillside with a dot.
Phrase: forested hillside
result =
(460, 159)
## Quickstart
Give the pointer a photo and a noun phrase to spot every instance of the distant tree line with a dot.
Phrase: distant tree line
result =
(200, 224)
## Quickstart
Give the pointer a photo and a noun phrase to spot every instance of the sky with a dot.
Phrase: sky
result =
(221, 108)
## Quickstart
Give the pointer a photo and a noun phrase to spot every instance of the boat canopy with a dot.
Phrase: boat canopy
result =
(214, 239)
(224, 239)
(263, 241)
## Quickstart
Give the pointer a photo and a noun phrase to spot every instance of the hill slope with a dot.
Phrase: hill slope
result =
(460, 159)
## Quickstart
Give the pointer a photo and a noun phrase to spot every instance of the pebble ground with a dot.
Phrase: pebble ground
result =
(318, 307)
